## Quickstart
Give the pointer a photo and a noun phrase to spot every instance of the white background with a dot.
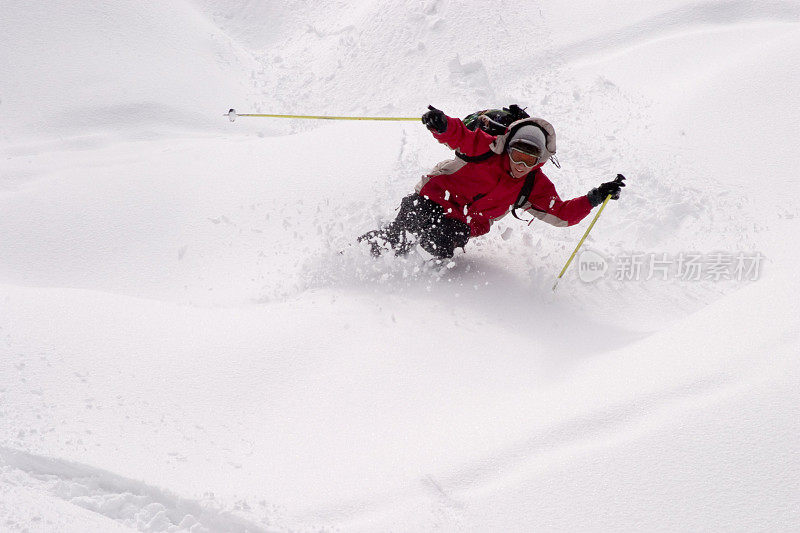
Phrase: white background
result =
(182, 347)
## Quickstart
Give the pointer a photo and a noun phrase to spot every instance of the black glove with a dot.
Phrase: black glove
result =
(598, 195)
(435, 120)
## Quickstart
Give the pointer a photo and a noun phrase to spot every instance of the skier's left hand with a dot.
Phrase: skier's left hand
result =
(598, 195)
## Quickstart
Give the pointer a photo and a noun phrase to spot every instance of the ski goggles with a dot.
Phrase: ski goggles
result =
(523, 158)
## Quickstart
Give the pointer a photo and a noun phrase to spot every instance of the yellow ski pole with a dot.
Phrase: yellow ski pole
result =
(232, 114)
(581, 241)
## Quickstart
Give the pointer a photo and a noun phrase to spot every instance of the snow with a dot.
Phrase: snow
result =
(183, 347)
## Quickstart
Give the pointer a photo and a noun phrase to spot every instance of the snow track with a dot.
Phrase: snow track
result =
(129, 502)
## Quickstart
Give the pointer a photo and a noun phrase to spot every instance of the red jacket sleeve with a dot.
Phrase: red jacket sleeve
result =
(546, 205)
(458, 137)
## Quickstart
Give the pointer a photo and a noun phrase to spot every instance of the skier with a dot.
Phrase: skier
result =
(490, 177)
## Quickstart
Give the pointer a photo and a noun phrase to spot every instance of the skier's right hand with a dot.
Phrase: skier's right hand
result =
(435, 120)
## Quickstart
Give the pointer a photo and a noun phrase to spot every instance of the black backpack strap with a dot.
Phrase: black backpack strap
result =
(517, 113)
(474, 158)
(524, 193)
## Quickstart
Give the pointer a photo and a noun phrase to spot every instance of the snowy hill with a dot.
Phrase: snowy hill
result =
(183, 347)
(113, 69)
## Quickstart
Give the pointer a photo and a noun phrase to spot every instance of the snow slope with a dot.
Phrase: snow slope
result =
(183, 347)
(90, 72)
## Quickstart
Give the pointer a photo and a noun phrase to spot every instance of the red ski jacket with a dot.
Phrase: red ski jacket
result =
(481, 192)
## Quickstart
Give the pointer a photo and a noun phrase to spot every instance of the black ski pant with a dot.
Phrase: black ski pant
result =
(425, 220)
